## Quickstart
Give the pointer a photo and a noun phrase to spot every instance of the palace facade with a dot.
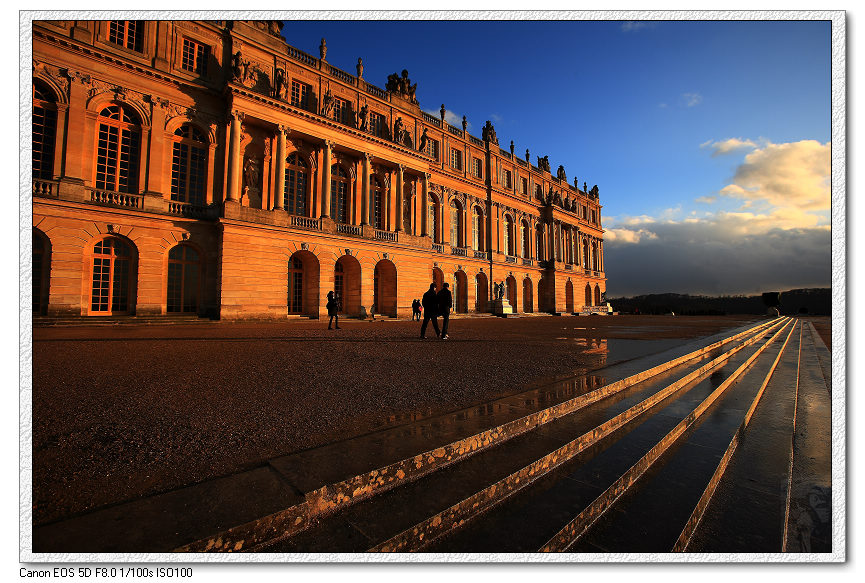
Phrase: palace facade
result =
(210, 168)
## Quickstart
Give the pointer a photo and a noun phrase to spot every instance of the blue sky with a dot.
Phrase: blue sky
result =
(708, 140)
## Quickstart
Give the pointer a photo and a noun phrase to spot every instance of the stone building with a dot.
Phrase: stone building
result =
(210, 168)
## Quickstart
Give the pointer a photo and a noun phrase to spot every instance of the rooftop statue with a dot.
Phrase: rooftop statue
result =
(402, 85)
(560, 173)
(544, 163)
(489, 133)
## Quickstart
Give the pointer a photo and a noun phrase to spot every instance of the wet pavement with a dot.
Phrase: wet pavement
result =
(127, 411)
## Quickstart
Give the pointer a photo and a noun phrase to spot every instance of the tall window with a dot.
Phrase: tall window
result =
(300, 94)
(296, 180)
(117, 150)
(184, 271)
(477, 229)
(376, 200)
(376, 124)
(524, 238)
(456, 226)
(476, 167)
(189, 166)
(509, 235)
(44, 132)
(126, 33)
(524, 186)
(295, 286)
(338, 194)
(433, 225)
(341, 110)
(432, 149)
(194, 56)
(456, 159)
(507, 178)
(539, 231)
(112, 276)
(585, 255)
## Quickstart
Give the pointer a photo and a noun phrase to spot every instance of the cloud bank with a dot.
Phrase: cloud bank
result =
(778, 239)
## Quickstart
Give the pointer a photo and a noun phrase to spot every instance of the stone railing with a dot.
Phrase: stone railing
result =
(569, 267)
(305, 222)
(373, 90)
(476, 141)
(527, 261)
(342, 75)
(453, 130)
(385, 236)
(187, 210)
(47, 188)
(459, 251)
(345, 229)
(509, 259)
(438, 247)
(301, 57)
(521, 162)
(481, 255)
(135, 201)
(430, 119)
(588, 272)
(505, 153)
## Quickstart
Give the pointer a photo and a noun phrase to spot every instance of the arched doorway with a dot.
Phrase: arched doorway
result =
(183, 288)
(115, 269)
(346, 283)
(41, 272)
(597, 295)
(569, 297)
(511, 284)
(481, 294)
(461, 292)
(438, 278)
(588, 295)
(527, 296)
(384, 288)
(542, 295)
(303, 286)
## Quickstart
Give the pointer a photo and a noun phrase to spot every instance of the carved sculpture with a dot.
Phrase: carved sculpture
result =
(465, 123)
(322, 49)
(544, 163)
(442, 111)
(275, 27)
(528, 157)
(327, 103)
(423, 141)
(402, 85)
(594, 191)
(236, 66)
(359, 67)
(560, 173)
(363, 117)
(280, 88)
(489, 133)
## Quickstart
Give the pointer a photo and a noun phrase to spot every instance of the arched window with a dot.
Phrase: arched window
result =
(296, 180)
(595, 256)
(477, 229)
(597, 295)
(539, 232)
(376, 202)
(44, 132)
(433, 225)
(189, 166)
(295, 286)
(338, 194)
(525, 237)
(113, 276)
(117, 149)
(456, 225)
(508, 236)
(184, 279)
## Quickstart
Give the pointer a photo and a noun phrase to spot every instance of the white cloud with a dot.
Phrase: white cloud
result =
(706, 199)
(728, 146)
(495, 117)
(691, 99)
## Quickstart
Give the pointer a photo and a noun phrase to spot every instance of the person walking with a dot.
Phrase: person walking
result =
(430, 309)
(445, 303)
(332, 309)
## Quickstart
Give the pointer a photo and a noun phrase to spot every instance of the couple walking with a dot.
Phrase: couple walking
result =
(435, 305)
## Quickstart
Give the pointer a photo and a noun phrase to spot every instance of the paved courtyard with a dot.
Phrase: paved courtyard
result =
(124, 411)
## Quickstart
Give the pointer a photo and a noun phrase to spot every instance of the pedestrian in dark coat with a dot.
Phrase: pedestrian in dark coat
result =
(445, 303)
(430, 310)
(332, 309)
(415, 310)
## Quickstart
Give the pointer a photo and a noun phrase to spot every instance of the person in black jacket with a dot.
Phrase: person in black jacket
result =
(445, 303)
(332, 309)
(430, 310)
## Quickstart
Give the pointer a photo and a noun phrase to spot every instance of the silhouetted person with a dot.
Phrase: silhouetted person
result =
(415, 310)
(445, 303)
(332, 309)
(430, 310)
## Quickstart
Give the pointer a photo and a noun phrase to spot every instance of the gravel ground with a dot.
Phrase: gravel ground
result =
(125, 411)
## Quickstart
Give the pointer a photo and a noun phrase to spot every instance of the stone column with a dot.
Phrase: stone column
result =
(60, 139)
(158, 143)
(400, 186)
(325, 181)
(75, 151)
(424, 212)
(364, 196)
(279, 179)
(234, 161)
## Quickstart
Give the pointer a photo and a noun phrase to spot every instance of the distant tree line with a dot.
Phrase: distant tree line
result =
(814, 301)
